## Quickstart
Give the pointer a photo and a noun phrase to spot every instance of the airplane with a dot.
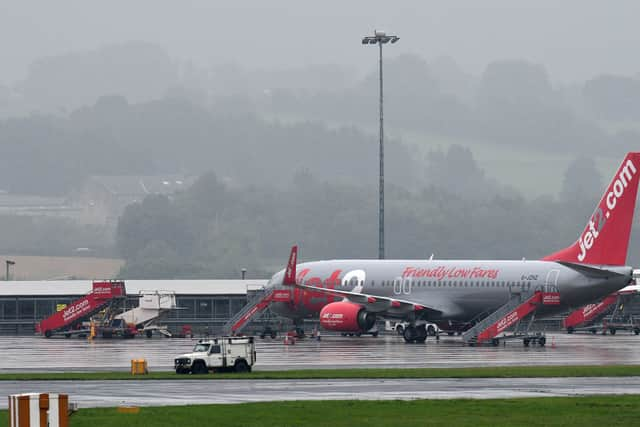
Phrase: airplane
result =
(349, 295)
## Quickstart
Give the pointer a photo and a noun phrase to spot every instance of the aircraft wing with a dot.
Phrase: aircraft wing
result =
(376, 303)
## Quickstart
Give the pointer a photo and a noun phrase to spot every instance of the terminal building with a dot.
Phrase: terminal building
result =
(205, 305)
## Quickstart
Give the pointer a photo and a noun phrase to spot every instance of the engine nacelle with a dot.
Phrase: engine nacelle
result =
(346, 316)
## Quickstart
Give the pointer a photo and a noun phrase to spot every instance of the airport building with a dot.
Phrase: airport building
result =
(205, 305)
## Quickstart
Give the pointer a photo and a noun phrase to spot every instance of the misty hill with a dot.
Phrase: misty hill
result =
(141, 71)
(46, 155)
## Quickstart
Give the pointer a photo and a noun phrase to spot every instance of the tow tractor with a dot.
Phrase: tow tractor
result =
(223, 354)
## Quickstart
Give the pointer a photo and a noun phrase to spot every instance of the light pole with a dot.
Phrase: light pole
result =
(9, 263)
(380, 38)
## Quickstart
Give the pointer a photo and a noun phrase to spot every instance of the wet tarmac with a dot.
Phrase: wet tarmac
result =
(74, 354)
(182, 392)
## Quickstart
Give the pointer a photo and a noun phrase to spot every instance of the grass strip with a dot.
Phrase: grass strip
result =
(551, 411)
(483, 372)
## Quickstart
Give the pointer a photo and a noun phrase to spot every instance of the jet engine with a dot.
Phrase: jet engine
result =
(346, 316)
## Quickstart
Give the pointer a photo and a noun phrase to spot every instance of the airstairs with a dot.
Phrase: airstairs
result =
(256, 304)
(521, 306)
(589, 314)
(101, 295)
(151, 306)
(621, 318)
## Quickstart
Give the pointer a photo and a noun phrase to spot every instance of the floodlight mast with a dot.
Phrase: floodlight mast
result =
(380, 38)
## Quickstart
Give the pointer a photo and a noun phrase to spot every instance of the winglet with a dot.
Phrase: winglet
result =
(290, 273)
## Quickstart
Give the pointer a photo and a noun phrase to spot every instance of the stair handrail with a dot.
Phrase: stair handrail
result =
(516, 299)
(251, 302)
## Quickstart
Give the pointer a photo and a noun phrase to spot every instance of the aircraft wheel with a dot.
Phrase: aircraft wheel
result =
(273, 335)
(593, 331)
(423, 330)
(570, 330)
(525, 342)
(409, 334)
(495, 342)
(542, 341)
(149, 333)
(47, 333)
(636, 331)
(400, 330)
(451, 333)
(612, 331)
(374, 334)
(431, 331)
(421, 334)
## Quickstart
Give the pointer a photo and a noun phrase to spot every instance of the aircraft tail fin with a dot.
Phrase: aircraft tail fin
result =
(290, 272)
(605, 238)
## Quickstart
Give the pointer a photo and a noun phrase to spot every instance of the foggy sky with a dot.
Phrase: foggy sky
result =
(573, 39)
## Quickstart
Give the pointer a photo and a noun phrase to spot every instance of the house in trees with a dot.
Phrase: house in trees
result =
(103, 198)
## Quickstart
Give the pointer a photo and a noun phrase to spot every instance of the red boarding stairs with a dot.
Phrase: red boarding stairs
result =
(589, 313)
(519, 306)
(256, 305)
(102, 294)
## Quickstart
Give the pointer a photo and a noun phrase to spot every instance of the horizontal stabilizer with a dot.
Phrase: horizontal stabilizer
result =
(590, 271)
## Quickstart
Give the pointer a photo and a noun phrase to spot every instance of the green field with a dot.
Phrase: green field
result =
(486, 372)
(551, 411)
(530, 170)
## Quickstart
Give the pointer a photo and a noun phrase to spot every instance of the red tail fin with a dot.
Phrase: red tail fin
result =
(290, 272)
(605, 239)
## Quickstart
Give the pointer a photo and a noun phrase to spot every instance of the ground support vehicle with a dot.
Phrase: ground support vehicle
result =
(519, 311)
(223, 354)
(114, 328)
(152, 305)
(68, 321)
(613, 324)
(268, 331)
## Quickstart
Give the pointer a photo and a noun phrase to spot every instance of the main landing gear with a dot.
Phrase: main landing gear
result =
(415, 334)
